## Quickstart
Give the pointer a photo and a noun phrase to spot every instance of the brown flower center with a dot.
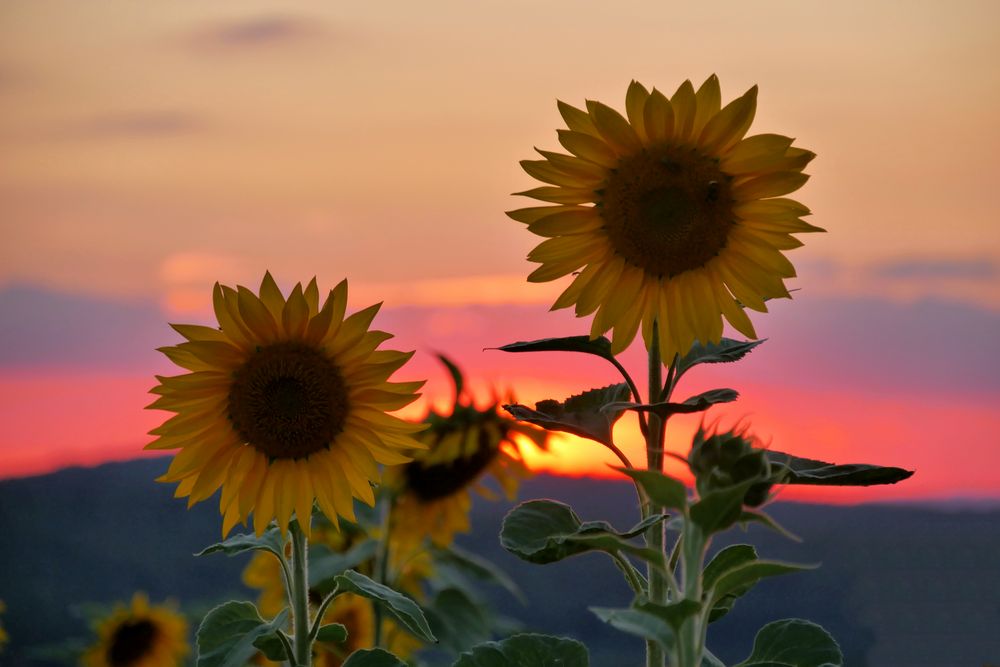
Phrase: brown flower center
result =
(132, 641)
(443, 479)
(667, 209)
(288, 401)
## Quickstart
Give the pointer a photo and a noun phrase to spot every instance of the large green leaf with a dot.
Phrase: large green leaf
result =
(738, 579)
(526, 650)
(661, 489)
(821, 473)
(227, 634)
(402, 608)
(725, 351)
(673, 614)
(546, 531)
(270, 541)
(727, 559)
(373, 657)
(581, 415)
(600, 347)
(639, 623)
(458, 621)
(453, 560)
(698, 403)
(794, 642)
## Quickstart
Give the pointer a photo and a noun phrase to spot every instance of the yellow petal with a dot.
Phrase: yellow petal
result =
(574, 166)
(635, 106)
(684, 106)
(560, 195)
(708, 100)
(311, 294)
(770, 185)
(294, 314)
(263, 510)
(588, 148)
(729, 126)
(576, 119)
(303, 497)
(256, 315)
(658, 117)
(572, 221)
(613, 128)
(544, 171)
(224, 300)
(271, 296)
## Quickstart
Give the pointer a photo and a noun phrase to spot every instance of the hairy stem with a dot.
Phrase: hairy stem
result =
(300, 596)
(654, 461)
(382, 565)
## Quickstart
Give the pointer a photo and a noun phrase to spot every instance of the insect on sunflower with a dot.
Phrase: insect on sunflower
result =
(285, 403)
(669, 214)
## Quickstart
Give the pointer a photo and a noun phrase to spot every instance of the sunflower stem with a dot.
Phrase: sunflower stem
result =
(300, 595)
(654, 461)
(382, 565)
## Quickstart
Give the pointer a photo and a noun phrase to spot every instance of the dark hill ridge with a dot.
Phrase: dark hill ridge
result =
(900, 585)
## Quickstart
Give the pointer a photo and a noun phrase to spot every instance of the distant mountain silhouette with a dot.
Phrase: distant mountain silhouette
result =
(900, 585)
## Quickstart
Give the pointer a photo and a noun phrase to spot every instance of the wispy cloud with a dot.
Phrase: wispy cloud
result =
(260, 32)
(135, 124)
(972, 268)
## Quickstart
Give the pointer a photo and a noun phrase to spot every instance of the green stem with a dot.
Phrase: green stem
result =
(654, 460)
(631, 575)
(300, 596)
(382, 565)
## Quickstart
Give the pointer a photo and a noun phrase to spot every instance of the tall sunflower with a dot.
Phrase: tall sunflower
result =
(140, 635)
(432, 492)
(669, 213)
(285, 403)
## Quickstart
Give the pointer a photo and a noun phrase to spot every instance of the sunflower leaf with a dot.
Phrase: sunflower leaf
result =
(456, 374)
(583, 415)
(526, 650)
(794, 642)
(819, 473)
(758, 516)
(697, 403)
(271, 647)
(661, 489)
(373, 657)
(546, 531)
(600, 347)
(458, 621)
(731, 557)
(454, 560)
(741, 576)
(402, 608)
(270, 541)
(227, 634)
(332, 632)
(725, 351)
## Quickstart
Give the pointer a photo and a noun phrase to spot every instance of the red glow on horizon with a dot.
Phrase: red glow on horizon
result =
(58, 419)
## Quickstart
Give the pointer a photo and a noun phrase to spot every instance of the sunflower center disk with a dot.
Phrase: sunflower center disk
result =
(667, 209)
(443, 479)
(288, 400)
(131, 641)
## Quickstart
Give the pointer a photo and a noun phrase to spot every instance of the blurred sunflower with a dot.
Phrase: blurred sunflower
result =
(432, 492)
(668, 214)
(284, 404)
(140, 635)
(4, 638)
(355, 613)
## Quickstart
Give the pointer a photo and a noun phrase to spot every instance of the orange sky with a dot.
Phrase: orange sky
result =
(152, 149)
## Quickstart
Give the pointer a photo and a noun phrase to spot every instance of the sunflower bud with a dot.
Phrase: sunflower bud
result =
(721, 460)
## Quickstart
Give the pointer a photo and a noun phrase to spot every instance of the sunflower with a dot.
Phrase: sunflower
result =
(139, 636)
(285, 403)
(433, 496)
(671, 215)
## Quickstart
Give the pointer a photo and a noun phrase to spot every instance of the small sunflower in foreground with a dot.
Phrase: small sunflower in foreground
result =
(285, 403)
(668, 214)
(141, 635)
(433, 496)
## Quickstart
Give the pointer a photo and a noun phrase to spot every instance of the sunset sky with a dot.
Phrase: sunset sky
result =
(150, 149)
